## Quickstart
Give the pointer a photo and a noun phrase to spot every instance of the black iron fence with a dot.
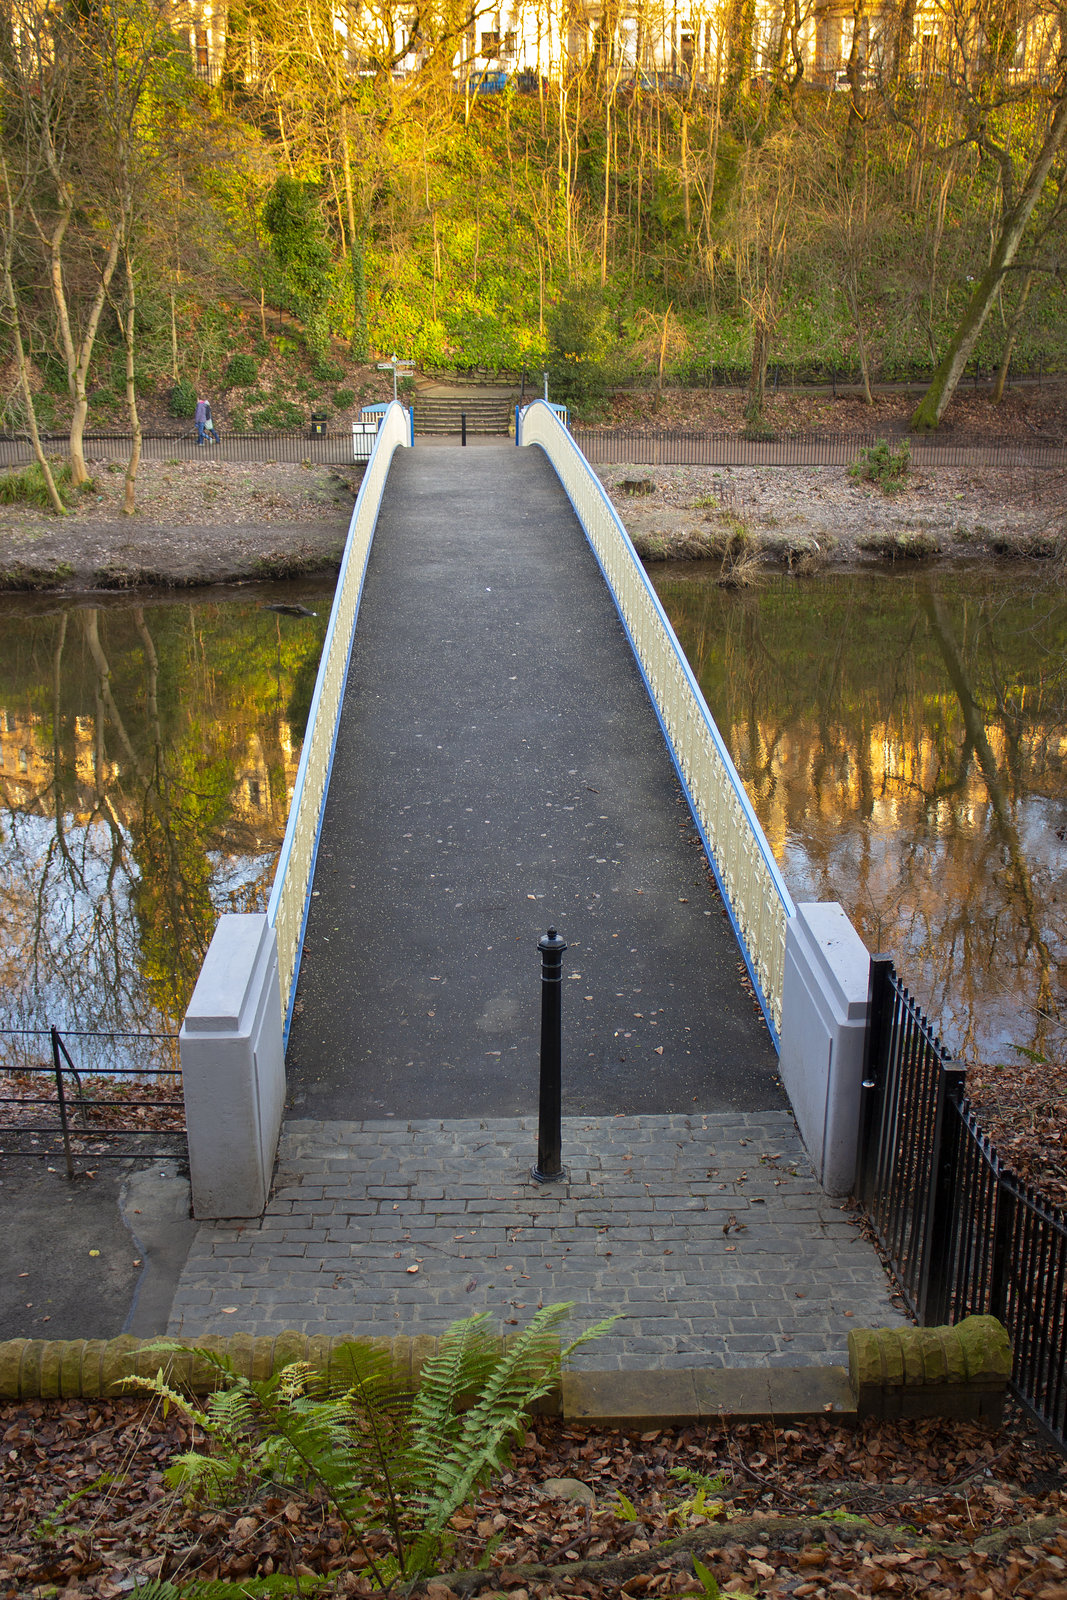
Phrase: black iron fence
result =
(336, 449)
(679, 447)
(962, 1233)
(67, 1095)
(601, 446)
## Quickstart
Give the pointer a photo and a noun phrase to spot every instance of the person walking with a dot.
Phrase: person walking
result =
(205, 427)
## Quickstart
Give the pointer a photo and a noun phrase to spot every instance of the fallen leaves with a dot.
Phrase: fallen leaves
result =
(818, 1508)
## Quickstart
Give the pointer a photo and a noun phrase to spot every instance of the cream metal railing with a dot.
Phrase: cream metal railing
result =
(287, 907)
(753, 889)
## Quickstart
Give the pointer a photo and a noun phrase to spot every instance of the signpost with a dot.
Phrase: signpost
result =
(392, 365)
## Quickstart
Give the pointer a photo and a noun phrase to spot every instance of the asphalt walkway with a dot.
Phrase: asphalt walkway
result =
(499, 769)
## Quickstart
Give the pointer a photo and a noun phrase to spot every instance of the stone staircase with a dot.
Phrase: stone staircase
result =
(443, 414)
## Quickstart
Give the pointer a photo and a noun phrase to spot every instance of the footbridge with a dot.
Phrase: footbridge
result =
(505, 735)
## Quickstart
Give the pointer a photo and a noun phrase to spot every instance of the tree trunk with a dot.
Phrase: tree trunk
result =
(757, 382)
(129, 502)
(173, 339)
(1009, 344)
(357, 238)
(932, 406)
(663, 350)
(78, 377)
(21, 363)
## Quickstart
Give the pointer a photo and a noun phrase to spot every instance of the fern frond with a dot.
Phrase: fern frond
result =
(293, 1380)
(460, 1366)
(520, 1375)
(597, 1331)
(159, 1387)
(278, 1586)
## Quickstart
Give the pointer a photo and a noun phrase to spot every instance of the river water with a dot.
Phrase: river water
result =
(903, 737)
(147, 758)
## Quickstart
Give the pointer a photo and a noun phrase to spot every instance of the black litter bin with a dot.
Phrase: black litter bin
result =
(319, 419)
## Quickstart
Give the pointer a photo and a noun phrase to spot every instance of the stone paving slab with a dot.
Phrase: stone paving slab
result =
(706, 1233)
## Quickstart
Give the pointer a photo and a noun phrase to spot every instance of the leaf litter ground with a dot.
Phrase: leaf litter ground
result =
(815, 1509)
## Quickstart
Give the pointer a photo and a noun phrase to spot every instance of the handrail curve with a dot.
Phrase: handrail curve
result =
(289, 898)
(753, 889)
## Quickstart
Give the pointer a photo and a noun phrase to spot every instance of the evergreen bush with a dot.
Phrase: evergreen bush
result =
(282, 415)
(881, 464)
(182, 401)
(241, 370)
(578, 347)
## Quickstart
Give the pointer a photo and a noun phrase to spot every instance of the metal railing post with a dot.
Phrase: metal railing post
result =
(62, 1102)
(873, 1089)
(549, 1168)
(934, 1294)
(1003, 1245)
(463, 427)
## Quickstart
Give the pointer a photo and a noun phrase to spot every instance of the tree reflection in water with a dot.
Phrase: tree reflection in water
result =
(147, 758)
(904, 740)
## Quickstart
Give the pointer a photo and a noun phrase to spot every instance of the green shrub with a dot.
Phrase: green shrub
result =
(759, 431)
(26, 485)
(882, 465)
(182, 400)
(282, 415)
(53, 370)
(326, 371)
(343, 398)
(241, 370)
(578, 347)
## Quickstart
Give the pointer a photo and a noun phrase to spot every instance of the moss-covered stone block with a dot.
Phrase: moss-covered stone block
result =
(960, 1372)
(63, 1369)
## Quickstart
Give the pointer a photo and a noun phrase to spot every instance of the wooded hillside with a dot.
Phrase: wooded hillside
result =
(160, 233)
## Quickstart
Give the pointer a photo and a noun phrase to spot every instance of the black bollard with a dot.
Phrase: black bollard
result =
(463, 427)
(549, 1168)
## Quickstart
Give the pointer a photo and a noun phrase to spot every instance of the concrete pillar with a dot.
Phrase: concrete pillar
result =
(824, 1024)
(233, 1069)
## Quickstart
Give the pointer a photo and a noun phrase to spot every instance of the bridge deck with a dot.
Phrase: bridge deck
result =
(497, 744)
(499, 769)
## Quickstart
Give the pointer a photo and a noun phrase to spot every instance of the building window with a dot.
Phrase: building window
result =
(491, 43)
(202, 60)
(254, 793)
(510, 42)
(24, 761)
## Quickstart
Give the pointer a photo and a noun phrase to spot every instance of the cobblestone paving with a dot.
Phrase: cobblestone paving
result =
(708, 1234)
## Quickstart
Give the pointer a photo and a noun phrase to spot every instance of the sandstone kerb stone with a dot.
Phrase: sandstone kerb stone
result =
(906, 1372)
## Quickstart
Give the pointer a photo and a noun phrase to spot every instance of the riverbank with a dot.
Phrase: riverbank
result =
(807, 518)
(216, 522)
(197, 523)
